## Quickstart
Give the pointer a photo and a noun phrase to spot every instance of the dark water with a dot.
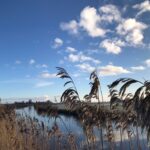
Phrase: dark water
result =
(70, 124)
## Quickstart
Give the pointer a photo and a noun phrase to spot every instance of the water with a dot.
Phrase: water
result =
(70, 124)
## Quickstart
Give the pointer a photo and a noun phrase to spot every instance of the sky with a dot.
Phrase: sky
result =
(36, 36)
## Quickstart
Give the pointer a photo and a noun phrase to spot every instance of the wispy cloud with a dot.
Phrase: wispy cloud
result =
(142, 7)
(43, 84)
(47, 75)
(76, 75)
(57, 43)
(19, 81)
(138, 68)
(80, 57)
(18, 62)
(85, 67)
(72, 27)
(70, 49)
(32, 61)
(41, 66)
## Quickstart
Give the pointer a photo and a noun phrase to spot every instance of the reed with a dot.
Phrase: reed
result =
(128, 112)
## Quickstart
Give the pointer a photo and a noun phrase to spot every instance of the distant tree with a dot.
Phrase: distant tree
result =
(30, 101)
(55, 99)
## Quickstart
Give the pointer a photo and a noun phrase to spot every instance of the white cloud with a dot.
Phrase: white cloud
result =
(73, 58)
(147, 62)
(110, 13)
(42, 66)
(92, 51)
(142, 7)
(138, 68)
(80, 57)
(85, 67)
(75, 75)
(112, 46)
(70, 49)
(111, 70)
(90, 20)
(47, 75)
(132, 30)
(43, 84)
(57, 43)
(135, 37)
(71, 27)
(32, 61)
(18, 62)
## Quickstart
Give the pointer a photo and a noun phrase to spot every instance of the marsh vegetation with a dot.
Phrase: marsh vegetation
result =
(125, 125)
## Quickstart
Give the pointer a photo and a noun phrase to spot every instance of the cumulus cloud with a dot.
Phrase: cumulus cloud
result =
(110, 13)
(43, 84)
(112, 46)
(80, 57)
(70, 49)
(142, 7)
(111, 70)
(47, 75)
(57, 43)
(72, 27)
(138, 68)
(132, 30)
(32, 61)
(90, 21)
(18, 62)
(85, 67)
(147, 62)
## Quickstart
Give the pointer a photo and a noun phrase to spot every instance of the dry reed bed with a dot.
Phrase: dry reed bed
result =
(25, 133)
(20, 132)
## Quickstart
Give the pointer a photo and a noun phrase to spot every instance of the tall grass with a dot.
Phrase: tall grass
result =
(134, 110)
(128, 112)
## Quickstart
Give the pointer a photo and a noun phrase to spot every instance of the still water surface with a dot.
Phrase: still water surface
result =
(70, 124)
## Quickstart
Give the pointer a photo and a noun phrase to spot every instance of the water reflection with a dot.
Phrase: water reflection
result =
(70, 124)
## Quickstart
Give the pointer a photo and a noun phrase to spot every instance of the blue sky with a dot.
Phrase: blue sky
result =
(80, 35)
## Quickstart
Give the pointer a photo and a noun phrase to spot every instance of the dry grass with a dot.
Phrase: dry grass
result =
(20, 133)
(25, 133)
